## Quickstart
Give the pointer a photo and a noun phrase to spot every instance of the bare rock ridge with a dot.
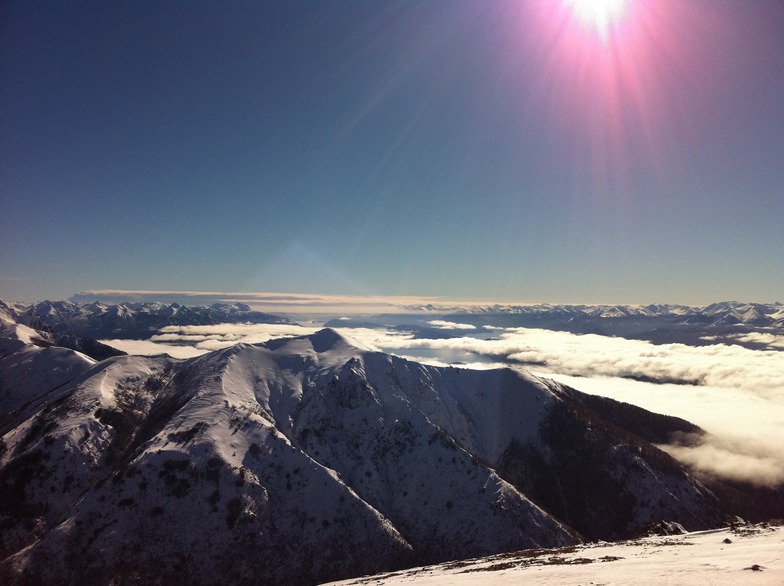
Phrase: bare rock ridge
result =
(309, 459)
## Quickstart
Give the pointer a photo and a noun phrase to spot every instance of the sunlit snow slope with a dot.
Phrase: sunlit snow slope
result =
(741, 555)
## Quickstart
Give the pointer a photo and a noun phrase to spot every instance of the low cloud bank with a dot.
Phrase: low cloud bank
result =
(745, 430)
(218, 336)
(764, 338)
(150, 348)
(590, 355)
(754, 460)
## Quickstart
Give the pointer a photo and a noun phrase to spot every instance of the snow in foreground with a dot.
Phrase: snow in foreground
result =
(745, 555)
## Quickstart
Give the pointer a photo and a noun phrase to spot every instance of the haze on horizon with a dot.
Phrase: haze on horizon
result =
(461, 149)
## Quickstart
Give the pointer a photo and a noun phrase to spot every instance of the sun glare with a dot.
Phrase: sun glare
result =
(598, 15)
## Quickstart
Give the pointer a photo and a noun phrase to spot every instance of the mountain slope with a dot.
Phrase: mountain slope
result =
(31, 369)
(743, 554)
(310, 459)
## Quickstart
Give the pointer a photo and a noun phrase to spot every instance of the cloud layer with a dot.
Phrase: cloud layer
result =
(745, 429)
(734, 393)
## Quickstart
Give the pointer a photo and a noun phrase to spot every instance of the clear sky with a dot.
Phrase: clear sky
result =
(521, 150)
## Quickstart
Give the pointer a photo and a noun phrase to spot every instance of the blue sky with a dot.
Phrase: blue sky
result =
(490, 150)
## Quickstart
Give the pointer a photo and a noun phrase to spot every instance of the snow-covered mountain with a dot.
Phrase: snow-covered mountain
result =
(131, 320)
(309, 459)
(727, 322)
(31, 368)
(724, 322)
(11, 328)
(728, 312)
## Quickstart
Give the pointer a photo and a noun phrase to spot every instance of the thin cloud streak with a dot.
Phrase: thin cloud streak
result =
(763, 338)
(441, 324)
(150, 348)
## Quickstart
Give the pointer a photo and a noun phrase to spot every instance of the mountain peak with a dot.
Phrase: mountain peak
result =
(328, 339)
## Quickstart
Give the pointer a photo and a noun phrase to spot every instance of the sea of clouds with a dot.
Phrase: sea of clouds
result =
(736, 394)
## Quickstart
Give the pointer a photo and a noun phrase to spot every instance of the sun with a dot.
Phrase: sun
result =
(598, 16)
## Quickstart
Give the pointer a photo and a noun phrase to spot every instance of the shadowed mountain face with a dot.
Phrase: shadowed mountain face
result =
(308, 459)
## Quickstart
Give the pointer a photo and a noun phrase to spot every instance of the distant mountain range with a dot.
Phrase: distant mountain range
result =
(716, 315)
(129, 320)
(725, 322)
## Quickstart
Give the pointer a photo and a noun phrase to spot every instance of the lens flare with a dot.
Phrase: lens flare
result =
(598, 15)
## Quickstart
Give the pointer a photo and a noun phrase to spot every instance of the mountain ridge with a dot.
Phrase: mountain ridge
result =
(325, 459)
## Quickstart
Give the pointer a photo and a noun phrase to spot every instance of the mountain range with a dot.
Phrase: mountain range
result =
(308, 459)
(728, 322)
(727, 312)
(129, 320)
(724, 322)
(731, 322)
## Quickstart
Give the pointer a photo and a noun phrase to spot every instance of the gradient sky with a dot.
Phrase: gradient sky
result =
(490, 150)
